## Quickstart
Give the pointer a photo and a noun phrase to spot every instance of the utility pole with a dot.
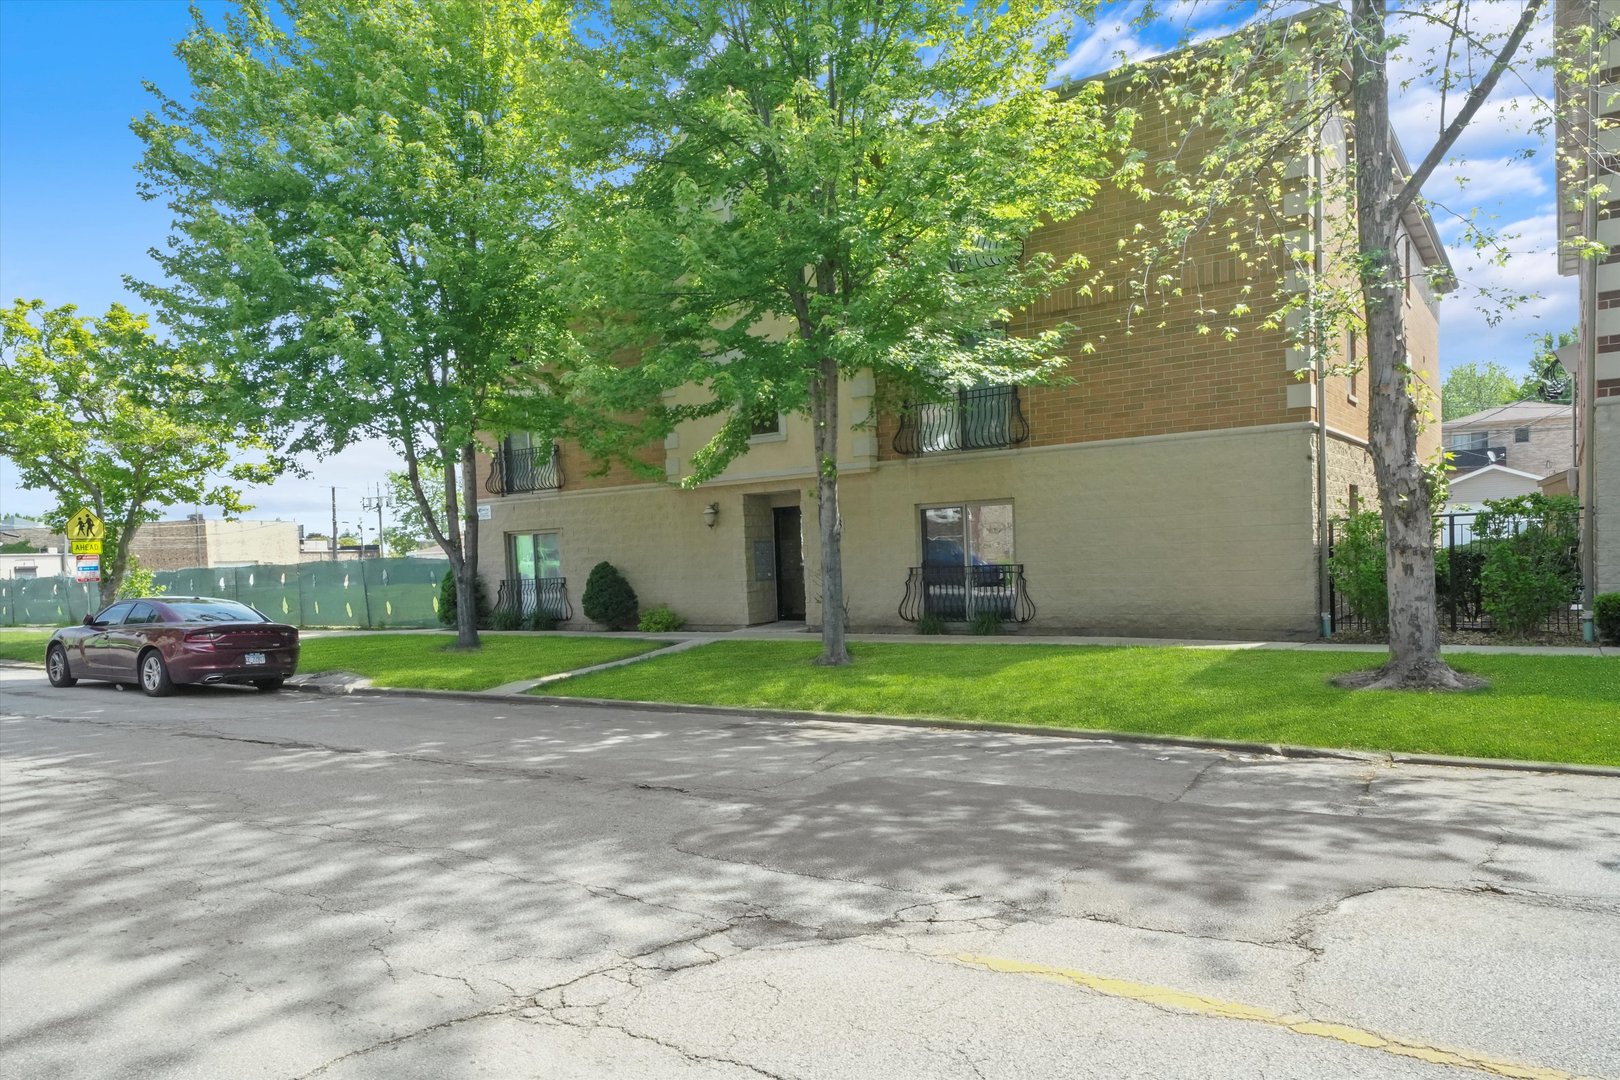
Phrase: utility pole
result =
(376, 502)
(334, 524)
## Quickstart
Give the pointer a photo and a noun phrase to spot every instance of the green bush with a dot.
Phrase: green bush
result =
(506, 619)
(1530, 566)
(660, 620)
(987, 623)
(609, 600)
(1357, 566)
(138, 581)
(1606, 613)
(541, 619)
(930, 624)
(447, 600)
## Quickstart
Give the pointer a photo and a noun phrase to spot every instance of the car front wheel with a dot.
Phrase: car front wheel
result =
(56, 667)
(155, 675)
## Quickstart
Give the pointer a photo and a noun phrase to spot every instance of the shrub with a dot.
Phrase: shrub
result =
(1530, 566)
(1606, 613)
(447, 600)
(1456, 578)
(660, 620)
(931, 624)
(609, 599)
(138, 581)
(506, 619)
(1357, 566)
(541, 619)
(987, 623)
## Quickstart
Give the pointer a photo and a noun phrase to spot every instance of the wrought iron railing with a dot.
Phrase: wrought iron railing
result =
(1479, 457)
(1458, 586)
(989, 418)
(524, 598)
(965, 593)
(533, 468)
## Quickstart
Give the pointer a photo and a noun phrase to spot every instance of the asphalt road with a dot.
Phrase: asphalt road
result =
(226, 884)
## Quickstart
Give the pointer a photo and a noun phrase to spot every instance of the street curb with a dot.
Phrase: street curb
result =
(1283, 750)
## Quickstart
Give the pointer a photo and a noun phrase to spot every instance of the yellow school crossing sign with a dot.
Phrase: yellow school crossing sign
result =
(85, 533)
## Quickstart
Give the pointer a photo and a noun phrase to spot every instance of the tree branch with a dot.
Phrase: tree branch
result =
(1476, 98)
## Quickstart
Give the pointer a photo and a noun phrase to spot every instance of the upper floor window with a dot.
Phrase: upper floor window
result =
(1468, 440)
(766, 427)
(525, 462)
(1521, 434)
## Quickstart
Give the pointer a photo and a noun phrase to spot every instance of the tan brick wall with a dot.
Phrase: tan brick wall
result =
(1189, 535)
(1606, 493)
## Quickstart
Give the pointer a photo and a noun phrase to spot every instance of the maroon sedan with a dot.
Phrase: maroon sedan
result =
(161, 643)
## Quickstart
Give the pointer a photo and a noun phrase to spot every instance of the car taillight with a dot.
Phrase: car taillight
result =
(204, 635)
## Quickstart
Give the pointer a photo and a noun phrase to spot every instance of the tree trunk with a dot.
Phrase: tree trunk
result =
(1414, 623)
(824, 419)
(467, 569)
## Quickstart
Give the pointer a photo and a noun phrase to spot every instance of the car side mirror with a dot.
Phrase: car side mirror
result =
(89, 619)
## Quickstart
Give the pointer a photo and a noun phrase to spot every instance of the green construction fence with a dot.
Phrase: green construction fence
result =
(371, 594)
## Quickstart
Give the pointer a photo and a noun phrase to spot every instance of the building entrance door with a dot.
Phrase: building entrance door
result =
(789, 564)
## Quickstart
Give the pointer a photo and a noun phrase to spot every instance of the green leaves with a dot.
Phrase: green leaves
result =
(772, 187)
(102, 414)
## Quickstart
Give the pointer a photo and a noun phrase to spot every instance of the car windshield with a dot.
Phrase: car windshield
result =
(214, 611)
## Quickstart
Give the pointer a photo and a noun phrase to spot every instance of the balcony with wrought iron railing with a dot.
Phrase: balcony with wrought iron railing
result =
(524, 598)
(985, 418)
(966, 593)
(515, 470)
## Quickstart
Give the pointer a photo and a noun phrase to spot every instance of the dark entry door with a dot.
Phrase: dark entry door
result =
(789, 564)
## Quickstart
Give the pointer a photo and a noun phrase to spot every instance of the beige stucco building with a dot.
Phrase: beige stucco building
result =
(1174, 483)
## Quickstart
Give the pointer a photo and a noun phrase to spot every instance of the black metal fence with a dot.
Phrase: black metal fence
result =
(966, 593)
(1460, 552)
(522, 599)
(532, 468)
(989, 418)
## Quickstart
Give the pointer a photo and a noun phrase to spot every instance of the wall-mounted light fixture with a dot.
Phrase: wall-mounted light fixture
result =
(711, 514)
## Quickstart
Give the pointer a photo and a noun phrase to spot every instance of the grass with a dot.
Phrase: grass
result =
(426, 661)
(1538, 708)
(24, 645)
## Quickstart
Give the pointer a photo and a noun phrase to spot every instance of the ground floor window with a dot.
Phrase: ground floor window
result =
(968, 534)
(533, 560)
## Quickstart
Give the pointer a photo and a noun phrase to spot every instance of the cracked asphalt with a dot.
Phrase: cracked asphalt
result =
(226, 884)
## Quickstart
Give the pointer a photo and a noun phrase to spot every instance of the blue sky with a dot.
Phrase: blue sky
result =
(71, 224)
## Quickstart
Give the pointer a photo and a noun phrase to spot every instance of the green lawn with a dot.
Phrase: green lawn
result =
(424, 661)
(24, 645)
(1539, 708)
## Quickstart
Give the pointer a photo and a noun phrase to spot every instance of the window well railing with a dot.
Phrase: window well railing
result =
(527, 597)
(965, 593)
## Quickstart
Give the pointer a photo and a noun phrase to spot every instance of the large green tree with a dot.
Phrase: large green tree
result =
(363, 228)
(1291, 153)
(1469, 388)
(103, 415)
(788, 194)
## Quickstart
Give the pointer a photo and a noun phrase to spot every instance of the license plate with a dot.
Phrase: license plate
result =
(253, 658)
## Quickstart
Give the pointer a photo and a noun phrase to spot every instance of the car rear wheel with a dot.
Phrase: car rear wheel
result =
(269, 686)
(56, 667)
(155, 675)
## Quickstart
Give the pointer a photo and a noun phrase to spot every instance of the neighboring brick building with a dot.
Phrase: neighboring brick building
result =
(1594, 362)
(1530, 436)
(1169, 487)
(197, 541)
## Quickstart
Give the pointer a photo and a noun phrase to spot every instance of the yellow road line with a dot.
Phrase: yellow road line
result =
(1197, 1004)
